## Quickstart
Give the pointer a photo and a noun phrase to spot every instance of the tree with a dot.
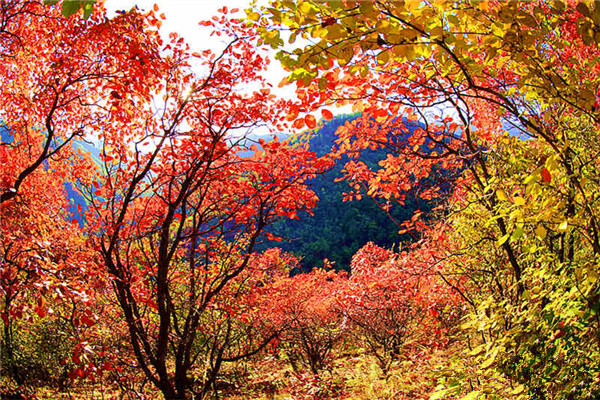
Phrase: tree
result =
(242, 322)
(48, 276)
(178, 213)
(56, 75)
(313, 328)
(73, 67)
(395, 303)
(530, 68)
(174, 211)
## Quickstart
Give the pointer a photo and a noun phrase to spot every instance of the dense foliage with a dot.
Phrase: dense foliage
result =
(521, 241)
(336, 228)
(487, 109)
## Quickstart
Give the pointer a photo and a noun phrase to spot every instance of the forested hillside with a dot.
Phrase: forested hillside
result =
(337, 229)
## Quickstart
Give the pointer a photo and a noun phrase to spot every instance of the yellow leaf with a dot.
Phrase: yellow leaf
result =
(366, 8)
(406, 51)
(501, 194)
(490, 359)
(383, 26)
(383, 57)
(253, 16)
(345, 55)
(592, 274)
(471, 396)
(477, 350)
(412, 5)
(437, 32)
(563, 227)
(502, 240)
(452, 19)
(518, 390)
(307, 8)
(519, 201)
(336, 31)
(541, 232)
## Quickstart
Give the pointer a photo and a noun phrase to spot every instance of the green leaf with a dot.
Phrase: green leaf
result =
(88, 7)
(517, 233)
(70, 7)
(592, 274)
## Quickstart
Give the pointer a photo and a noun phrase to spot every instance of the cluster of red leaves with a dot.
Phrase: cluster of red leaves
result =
(394, 303)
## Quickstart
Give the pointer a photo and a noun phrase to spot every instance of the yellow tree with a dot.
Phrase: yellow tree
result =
(439, 84)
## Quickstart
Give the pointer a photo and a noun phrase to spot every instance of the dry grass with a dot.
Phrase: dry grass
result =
(355, 375)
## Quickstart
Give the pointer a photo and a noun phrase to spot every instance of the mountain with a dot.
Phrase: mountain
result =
(338, 229)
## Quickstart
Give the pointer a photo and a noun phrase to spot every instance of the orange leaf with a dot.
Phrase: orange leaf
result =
(283, 82)
(273, 237)
(298, 124)
(327, 115)
(310, 121)
(292, 115)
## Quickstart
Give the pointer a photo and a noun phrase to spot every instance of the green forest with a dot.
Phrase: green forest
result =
(337, 229)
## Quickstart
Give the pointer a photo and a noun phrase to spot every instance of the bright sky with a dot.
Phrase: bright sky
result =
(183, 16)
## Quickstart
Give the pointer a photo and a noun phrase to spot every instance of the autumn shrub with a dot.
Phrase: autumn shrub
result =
(312, 329)
(394, 304)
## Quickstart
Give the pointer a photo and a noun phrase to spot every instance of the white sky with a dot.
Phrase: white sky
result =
(183, 16)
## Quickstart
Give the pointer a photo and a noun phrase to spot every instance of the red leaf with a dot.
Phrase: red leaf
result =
(310, 121)
(292, 114)
(298, 124)
(273, 237)
(327, 115)
(87, 321)
(41, 311)
(546, 176)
